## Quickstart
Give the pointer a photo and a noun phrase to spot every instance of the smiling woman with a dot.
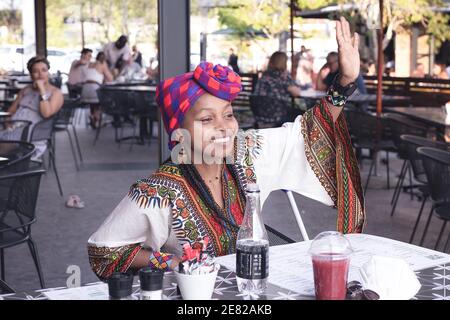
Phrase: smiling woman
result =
(199, 192)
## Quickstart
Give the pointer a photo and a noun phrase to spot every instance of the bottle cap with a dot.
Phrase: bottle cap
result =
(120, 285)
(151, 279)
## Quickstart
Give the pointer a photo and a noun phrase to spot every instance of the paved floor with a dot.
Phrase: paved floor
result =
(61, 233)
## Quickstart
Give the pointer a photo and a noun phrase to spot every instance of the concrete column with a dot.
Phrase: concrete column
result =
(173, 52)
(41, 27)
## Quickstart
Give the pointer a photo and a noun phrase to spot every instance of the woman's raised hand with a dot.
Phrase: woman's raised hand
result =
(348, 45)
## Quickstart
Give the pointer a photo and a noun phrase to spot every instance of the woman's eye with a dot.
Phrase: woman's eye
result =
(229, 116)
(205, 120)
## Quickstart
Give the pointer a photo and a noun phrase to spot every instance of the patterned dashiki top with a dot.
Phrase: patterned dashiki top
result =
(312, 156)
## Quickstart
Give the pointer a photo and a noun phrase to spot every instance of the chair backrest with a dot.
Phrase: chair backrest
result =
(22, 198)
(14, 130)
(276, 238)
(106, 101)
(43, 130)
(414, 142)
(268, 110)
(19, 153)
(248, 82)
(437, 169)
(145, 103)
(67, 111)
(364, 126)
(399, 126)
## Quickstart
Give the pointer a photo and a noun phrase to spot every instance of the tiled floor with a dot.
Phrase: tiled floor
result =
(61, 233)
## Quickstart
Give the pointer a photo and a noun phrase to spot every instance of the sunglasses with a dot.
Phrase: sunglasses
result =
(355, 291)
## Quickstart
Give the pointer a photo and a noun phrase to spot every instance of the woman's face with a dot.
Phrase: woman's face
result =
(212, 127)
(39, 71)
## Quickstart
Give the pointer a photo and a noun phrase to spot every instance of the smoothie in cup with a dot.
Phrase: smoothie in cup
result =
(330, 252)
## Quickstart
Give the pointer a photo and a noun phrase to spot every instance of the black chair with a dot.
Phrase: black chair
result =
(64, 121)
(19, 214)
(270, 112)
(397, 126)
(146, 109)
(370, 132)
(418, 170)
(120, 106)
(277, 238)
(14, 130)
(19, 155)
(43, 131)
(437, 169)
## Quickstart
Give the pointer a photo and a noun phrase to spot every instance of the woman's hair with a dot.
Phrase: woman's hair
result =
(37, 59)
(277, 61)
(100, 56)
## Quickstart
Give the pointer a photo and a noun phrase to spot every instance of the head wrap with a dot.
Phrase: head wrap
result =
(175, 96)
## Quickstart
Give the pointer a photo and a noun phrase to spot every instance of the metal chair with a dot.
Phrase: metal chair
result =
(437, 169)
(370, 132)
(418, 170)
(146, 109)
(276, 237)
(14, 130)
(19, 214)
(400, 126)
(43, 131)
(64, 121)
(269, 112)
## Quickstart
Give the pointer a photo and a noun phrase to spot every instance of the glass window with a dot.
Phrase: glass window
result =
(17, 35)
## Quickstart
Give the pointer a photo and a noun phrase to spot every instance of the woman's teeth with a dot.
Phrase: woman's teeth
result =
(221, 140)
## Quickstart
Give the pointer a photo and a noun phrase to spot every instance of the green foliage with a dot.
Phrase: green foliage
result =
(107, 18)
(405, 13)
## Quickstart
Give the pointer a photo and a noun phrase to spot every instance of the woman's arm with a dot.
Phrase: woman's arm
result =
(51, 106)
(13, 107)
(106, 73)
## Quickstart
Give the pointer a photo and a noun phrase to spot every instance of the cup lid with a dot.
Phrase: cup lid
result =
(330, 242)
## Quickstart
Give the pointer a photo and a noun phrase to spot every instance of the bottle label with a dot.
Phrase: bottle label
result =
(151, 295)
(253, 263)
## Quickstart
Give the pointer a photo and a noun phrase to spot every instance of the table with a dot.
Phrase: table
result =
(355, 98)
(12, 152)
(435, 117)
(435, 277)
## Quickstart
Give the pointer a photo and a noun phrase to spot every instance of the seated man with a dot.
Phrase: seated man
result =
(77, 73)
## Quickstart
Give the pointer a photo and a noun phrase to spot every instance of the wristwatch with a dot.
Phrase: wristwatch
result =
(337, 94)
(45, 97)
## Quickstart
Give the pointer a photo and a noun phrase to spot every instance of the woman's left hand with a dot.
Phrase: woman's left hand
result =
(348, 44)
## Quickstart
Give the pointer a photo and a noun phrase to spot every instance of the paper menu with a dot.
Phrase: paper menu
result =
(92, 292)
(295, 270)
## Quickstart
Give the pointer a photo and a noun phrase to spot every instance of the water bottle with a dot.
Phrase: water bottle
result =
(252, 247)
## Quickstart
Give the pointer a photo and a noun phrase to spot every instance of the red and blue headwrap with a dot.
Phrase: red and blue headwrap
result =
(175, 96)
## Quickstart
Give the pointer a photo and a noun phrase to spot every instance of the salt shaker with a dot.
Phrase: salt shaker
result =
(151, 283)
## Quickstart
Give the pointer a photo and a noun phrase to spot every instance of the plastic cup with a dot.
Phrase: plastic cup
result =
(330, 252)
(197, 286)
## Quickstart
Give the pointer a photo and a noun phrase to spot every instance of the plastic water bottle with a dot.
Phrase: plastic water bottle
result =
(252, 247)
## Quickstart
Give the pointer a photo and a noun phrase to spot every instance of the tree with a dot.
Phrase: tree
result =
(402, 14)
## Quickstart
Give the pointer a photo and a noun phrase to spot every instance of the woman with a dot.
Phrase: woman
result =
(37, 101)
(95, 75)
(276, 82)
(183, 203)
